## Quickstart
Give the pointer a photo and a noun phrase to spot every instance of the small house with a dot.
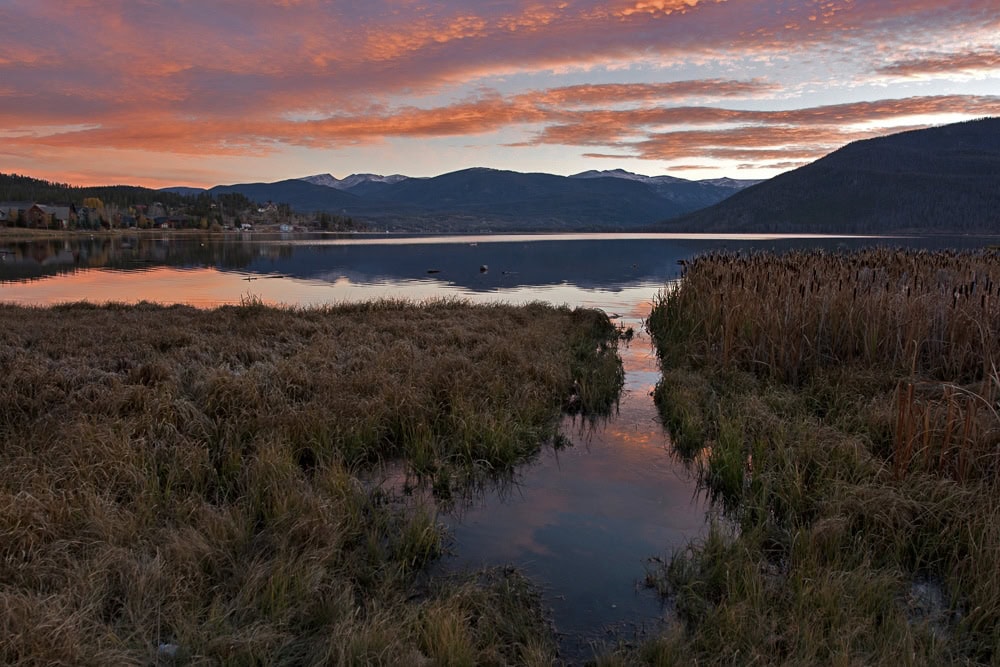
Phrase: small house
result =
(42, 216)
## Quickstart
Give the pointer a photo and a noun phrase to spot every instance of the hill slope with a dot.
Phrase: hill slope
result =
(942, 179)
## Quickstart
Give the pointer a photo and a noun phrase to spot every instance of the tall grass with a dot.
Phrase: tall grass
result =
(936, 314)
(843, 410)
(188, 485)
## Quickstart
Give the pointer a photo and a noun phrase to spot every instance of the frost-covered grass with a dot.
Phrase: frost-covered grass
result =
(189, 486)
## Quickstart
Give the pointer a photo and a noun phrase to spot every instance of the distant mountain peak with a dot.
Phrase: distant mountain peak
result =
(330, 181)
(628, 175)
(610, 173)
(735, 183)
(356, 179)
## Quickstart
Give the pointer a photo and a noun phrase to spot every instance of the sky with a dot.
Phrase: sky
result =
(204, 92)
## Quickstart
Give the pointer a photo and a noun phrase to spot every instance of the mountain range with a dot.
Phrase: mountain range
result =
(942, 179)
(481, 199)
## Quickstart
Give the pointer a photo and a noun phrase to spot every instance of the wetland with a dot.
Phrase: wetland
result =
(493, 466)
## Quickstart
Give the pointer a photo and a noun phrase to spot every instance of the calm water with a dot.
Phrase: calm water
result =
(580, 521)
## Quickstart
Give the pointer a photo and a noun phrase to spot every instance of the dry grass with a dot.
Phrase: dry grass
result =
(847, 411)
(184, 486)
(927, 323)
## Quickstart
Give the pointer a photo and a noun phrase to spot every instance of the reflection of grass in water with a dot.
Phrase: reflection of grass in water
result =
(848, 404)
(195, 478)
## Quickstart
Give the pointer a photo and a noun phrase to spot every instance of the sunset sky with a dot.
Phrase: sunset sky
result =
(202, 92)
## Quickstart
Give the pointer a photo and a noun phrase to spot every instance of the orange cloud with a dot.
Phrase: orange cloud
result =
(636, 132)
(591, 94)
(690, 167)
(762, 136)
(533, 18)
(969, 62)
(783, 165)
(162, 130)
(392, 44)
(608, 127)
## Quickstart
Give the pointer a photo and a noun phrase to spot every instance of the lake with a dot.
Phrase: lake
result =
(581, 521)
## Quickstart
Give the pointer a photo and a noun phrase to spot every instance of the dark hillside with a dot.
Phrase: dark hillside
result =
(542, 198)
(943, 179)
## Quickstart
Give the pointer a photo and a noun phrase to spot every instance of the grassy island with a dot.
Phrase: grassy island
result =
(842, 410)
(193, 487)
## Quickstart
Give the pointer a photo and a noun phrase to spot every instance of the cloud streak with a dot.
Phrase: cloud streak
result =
(969, 62)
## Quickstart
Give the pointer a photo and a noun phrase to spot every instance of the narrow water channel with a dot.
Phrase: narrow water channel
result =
(583, 520)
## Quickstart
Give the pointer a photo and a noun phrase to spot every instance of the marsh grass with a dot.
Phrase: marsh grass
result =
(846, 407)
(195, 479)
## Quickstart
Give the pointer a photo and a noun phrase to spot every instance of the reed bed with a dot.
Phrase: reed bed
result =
(936, 314)
(188, 487)
(842, 409)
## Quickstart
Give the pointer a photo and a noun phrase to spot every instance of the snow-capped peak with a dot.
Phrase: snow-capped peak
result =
(352, 180)
(627, 175)
(356, 179)
(327, 180)
(734, 183)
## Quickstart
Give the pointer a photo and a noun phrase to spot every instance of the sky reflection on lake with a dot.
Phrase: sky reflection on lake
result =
(217, 269)
(583, 520)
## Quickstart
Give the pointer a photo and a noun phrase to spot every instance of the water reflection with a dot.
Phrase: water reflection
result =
(377, 266)
(583, 519)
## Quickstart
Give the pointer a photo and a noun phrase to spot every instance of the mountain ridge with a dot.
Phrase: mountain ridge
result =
(483, 198)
